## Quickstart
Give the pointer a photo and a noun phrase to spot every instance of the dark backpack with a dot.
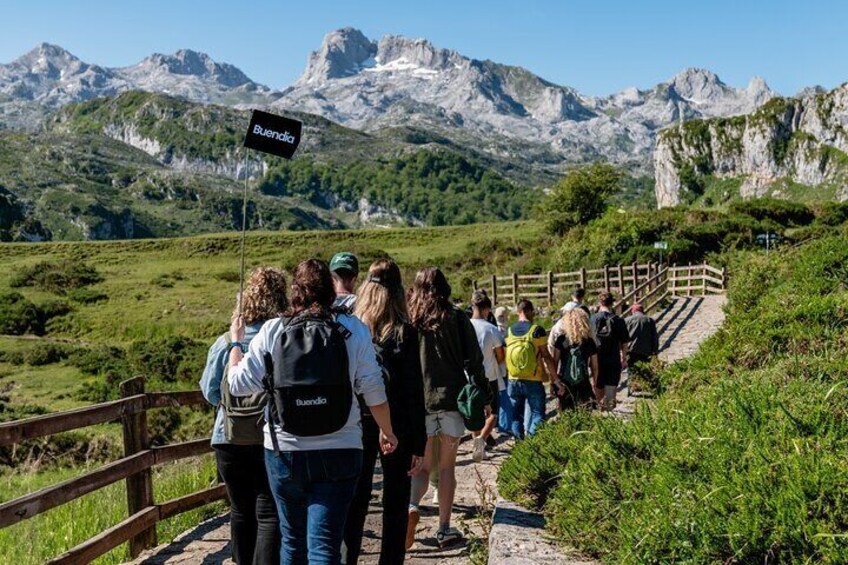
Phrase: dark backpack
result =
(307, 377)
(573, 370)
(603, 333)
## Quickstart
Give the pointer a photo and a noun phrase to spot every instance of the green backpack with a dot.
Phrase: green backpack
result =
(244, 416)
(574, 370)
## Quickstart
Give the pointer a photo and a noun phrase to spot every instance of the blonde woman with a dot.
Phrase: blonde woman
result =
(254, 525)
(575, 354)
(381, 305)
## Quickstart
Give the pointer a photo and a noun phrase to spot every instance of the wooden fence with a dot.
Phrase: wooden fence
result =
(136, 467)
(631, 283)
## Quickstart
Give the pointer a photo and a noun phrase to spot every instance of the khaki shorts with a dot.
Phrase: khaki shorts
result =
(447, 423)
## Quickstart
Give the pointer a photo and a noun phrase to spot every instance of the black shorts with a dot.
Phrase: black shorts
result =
(608, 376)
(496, 396)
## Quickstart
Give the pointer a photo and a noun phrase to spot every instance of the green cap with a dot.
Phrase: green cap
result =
(344, 262)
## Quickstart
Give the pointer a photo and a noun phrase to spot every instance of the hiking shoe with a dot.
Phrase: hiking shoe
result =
(478, 450)
(448, 537)
(491, 442)
(414, 518)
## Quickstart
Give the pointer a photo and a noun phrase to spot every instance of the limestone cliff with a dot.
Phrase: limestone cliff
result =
(790, 147)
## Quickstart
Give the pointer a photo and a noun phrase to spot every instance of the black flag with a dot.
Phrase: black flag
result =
(273, 134)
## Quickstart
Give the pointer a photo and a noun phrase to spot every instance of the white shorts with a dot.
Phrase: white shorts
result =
(448, 423)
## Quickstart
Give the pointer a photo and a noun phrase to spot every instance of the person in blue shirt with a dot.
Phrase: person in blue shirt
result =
(254, 524)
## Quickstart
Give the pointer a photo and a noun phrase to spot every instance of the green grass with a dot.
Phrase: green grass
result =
(55, 531)
(742, 459)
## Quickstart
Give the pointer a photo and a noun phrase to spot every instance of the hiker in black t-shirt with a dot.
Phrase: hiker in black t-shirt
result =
(612, 339)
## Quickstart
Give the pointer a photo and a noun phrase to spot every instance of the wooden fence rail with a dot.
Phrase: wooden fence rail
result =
(650, 283)
(136, 467)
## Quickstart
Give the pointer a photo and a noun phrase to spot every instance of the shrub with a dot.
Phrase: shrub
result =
(579, 197)
(46, 354)
(86, 295)
(782, 212)
(57, 277)
(19, 316)
(168, 359)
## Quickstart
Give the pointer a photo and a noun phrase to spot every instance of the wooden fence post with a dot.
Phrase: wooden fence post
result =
(550, 289)
(515, 289)
(704, 278)
(724, 278)
(140, 485)
(583, 278)
(689, 282)
(606, 279)
(636, 274)
(672, 278)
(495, 290)
(620, 280)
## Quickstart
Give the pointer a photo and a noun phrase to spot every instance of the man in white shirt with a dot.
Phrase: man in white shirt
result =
(491, 343)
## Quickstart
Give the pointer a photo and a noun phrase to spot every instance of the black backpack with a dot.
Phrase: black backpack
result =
(307, 377)
(603, 333)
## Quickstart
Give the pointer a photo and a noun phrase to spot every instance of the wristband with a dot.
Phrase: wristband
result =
(237, 344)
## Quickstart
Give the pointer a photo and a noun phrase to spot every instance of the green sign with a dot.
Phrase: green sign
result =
(661, 245)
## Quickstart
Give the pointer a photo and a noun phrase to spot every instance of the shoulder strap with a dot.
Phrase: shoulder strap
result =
(268, 384)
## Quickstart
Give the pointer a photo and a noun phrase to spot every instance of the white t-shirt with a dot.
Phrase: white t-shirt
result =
(489, 338)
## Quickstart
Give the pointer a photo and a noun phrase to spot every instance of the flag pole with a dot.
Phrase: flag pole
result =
(243, 228)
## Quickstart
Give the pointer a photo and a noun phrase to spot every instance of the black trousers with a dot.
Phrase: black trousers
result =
(396, 487)
(254, 524)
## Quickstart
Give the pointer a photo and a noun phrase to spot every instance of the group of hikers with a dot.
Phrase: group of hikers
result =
(321, 376)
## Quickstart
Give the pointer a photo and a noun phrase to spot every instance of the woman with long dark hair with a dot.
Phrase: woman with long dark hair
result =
(312, 361)
(448, 348)
(381, 305)
(237, 439)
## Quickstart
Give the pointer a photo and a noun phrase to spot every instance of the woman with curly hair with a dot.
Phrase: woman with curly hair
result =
(254, 525)
(448, 348)
(572, 341)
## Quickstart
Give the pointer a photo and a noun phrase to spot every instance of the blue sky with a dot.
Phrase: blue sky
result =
(597, 47)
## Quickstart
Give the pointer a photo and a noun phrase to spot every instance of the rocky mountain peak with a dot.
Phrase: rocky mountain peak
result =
(193, 63)
(342, 53)
(698, 85)
(415, 52)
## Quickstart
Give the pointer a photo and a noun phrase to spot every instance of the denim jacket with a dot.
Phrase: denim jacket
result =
(210, 383)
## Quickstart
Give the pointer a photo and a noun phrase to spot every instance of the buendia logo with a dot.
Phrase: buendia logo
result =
(317, 401)
(273, 134)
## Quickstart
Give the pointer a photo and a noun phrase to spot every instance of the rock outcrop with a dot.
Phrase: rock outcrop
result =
(786, 145)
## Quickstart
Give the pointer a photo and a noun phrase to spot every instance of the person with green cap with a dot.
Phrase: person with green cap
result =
(344, 267)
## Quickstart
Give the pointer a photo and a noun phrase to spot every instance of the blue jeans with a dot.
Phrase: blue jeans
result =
(505, 412)
(313, 491)
(531, 393)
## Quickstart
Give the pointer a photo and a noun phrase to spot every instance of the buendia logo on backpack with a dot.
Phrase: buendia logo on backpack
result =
(307, 377)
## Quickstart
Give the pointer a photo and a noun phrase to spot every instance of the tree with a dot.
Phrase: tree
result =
(581, 196)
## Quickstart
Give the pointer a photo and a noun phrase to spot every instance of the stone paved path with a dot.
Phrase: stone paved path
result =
(683, 326)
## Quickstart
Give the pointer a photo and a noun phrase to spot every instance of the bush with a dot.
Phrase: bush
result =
(46, 354)
(57, 277)
(782, 212)
(741, 460)
(19, 316)
(579, 198)
(168, 360)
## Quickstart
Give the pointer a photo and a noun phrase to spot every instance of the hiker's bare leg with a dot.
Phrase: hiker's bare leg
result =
(447, 477)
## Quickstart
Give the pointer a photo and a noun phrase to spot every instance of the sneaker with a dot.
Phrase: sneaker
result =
(448, 537)
(478, 449)
(414, 518)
